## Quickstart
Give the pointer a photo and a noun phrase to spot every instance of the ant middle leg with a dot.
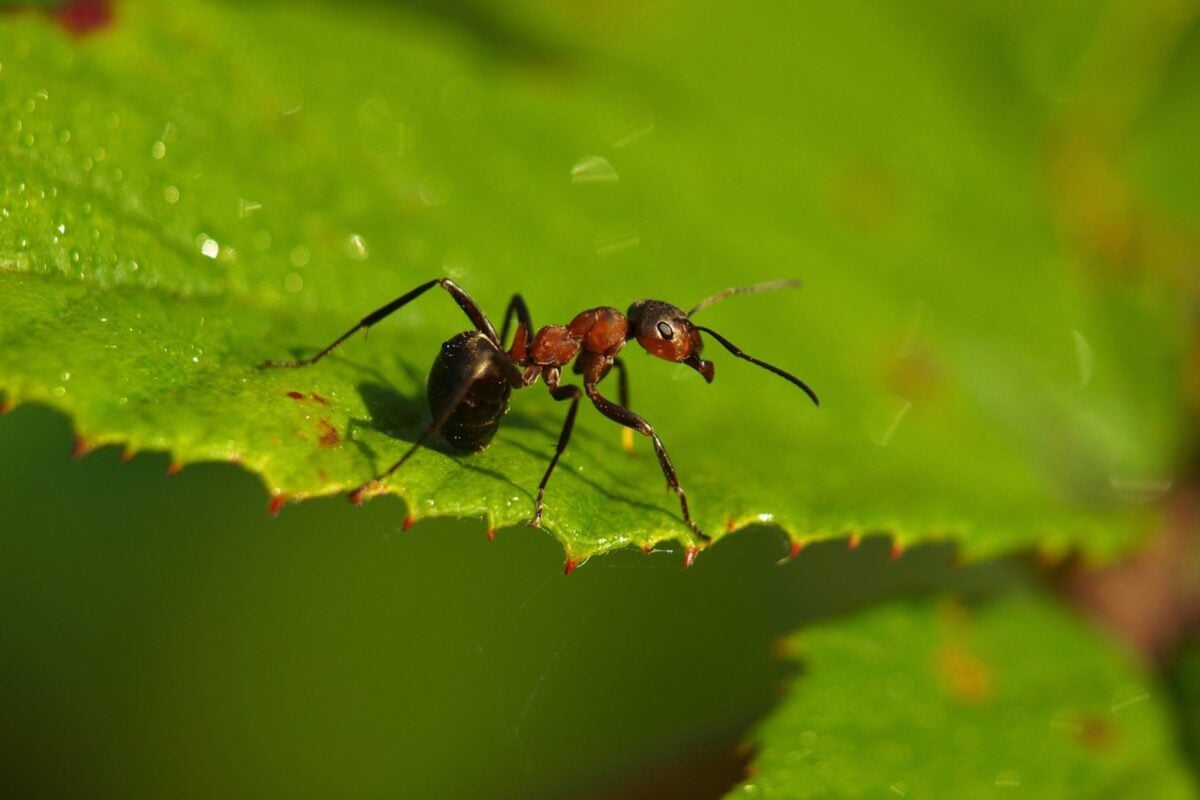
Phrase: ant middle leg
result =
(623, 399)
(464, 300)
(573, 394)
(624, 416)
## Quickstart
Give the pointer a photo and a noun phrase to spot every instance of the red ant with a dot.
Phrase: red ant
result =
(473, 375)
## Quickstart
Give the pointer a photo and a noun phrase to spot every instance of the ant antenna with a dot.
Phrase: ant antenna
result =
(769, 286)
(737, 351)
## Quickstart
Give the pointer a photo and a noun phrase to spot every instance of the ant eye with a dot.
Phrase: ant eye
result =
(665, 331)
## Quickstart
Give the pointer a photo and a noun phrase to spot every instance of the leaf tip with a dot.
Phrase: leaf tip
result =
(81, 447)
(854, 541)
(797, 546)
(897, 549)
(174, 468)
(409, 521)
(276, 504)
(569, 566)
(491, 534)
(689, 556)
(358, 496)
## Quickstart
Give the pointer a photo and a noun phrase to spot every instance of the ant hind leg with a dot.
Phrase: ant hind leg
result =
(432, 428)
(464, 300)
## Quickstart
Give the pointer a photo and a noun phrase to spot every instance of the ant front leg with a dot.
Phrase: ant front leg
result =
(573, 394)
(624, 416)
(464, 300)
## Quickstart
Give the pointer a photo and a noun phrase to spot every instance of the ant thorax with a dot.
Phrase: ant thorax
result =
(594, 336)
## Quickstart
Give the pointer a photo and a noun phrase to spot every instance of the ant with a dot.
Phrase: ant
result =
(473, 375)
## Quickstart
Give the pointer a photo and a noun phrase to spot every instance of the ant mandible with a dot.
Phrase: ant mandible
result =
(472, 377)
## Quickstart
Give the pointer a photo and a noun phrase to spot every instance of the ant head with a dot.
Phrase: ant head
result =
(666, 332)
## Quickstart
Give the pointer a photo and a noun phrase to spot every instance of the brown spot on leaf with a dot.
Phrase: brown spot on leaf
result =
(318, 399)
(295, 395)
(327, 435)
(965, 674)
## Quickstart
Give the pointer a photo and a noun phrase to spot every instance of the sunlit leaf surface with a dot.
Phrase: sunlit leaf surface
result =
(197, 187)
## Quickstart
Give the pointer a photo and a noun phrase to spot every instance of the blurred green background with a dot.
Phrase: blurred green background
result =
(998, 175)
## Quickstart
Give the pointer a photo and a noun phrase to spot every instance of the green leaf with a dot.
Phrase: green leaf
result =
(939, 701)
(199, 187)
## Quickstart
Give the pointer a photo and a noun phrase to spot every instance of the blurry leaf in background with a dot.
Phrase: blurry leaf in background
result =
(201, 186)
(928, 700)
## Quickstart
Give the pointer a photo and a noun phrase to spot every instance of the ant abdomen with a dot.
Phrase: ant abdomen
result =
(469, 358)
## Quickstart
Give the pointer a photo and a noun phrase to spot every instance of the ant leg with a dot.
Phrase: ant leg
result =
(434, 426)
(623, 399)
(516, 307)
(624, 416)
(573, 394)
(469, 307)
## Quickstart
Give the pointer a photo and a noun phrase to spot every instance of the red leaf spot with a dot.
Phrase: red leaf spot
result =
(689, 556)
(797, 546)
(84, 16)
(854, 541)
(408, 522)
(327, 435)
(491, 534)
(1095, 733)
(316, 397)
(276, 503)
(295, 395)
(569, 567)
